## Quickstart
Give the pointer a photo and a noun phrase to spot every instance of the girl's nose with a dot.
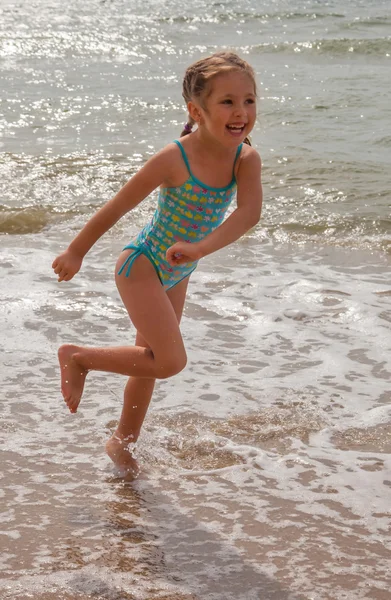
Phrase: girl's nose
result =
(239, 110)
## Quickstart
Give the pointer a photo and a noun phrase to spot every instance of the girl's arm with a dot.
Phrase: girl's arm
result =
(150, 176)
(243, 218)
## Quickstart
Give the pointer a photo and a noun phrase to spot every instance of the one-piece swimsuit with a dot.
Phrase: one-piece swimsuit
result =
(186, 213)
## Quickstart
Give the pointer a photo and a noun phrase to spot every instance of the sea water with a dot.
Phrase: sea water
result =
(267, 461)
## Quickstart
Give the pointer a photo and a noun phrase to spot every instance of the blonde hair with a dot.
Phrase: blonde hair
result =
(197, 79)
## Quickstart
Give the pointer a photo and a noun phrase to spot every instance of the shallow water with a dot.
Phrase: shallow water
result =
(266, 463)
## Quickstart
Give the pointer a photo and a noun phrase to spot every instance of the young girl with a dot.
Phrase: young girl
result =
(198, 178)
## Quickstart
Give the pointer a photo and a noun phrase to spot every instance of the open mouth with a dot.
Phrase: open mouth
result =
(236, 129)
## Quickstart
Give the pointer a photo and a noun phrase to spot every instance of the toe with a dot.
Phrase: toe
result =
(73, 404)
(70, 402)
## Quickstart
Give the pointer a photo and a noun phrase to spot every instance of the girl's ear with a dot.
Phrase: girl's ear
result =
(194, 112)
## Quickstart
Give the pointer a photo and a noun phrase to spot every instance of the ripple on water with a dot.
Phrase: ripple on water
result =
(201, 443)
(375, 439)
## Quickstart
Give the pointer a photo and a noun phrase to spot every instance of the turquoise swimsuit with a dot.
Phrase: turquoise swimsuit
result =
(184, 214)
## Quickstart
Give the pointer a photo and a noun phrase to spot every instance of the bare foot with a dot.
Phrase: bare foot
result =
(120, 450)
(73, 376)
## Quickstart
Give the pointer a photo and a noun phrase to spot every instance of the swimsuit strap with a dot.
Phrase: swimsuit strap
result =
(131, 258)
(184, 156)
(238, 151)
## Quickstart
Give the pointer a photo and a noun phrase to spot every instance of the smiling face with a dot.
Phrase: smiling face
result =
(227, 110)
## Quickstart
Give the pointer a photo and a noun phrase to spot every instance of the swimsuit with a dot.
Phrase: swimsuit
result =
(186, 213)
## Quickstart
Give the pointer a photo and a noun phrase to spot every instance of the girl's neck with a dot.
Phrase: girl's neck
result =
(210, 161)
(205, 143)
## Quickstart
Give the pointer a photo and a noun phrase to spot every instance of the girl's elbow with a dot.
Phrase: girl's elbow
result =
(254, 217)
(249, 218)
(252, 214)
(258, 215)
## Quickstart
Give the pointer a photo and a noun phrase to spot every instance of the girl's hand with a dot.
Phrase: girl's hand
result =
(182, 253)
(67, 265)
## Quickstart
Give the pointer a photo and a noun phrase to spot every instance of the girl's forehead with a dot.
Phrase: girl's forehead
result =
(233, 81)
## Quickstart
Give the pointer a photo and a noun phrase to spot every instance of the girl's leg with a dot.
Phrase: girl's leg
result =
(137, 396)
(154, 317)
(138, 391)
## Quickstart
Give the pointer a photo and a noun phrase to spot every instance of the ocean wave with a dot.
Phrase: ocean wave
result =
(69, 44)
(198, 442)
(98, 43)
(344, 232)
(32, 219)
(336, 46)
(368, 22)
(247, 17)
(38, 192)
(354, 231)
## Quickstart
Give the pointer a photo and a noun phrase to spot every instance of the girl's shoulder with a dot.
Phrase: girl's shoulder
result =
(168, 156)
(169, 152)
(176, 171)
(248, 153)
(248, 166)
(248, 159)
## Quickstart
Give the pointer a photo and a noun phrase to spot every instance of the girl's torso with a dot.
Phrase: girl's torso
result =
(187, 212)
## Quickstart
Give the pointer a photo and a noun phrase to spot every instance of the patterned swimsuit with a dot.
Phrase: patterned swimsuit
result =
(184, 214)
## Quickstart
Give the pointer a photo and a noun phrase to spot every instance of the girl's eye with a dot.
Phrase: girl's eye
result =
(248, 101)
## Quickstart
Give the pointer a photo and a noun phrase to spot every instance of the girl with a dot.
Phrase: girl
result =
(198, 177)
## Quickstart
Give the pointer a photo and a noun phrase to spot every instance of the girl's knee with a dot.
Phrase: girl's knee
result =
(171, 366)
